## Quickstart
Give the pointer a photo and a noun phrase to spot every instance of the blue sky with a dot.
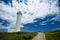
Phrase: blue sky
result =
(38, 15)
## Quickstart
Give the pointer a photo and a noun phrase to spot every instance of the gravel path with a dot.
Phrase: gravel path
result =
(40, 36)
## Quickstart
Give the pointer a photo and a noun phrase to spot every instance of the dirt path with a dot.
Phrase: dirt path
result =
(40, 36)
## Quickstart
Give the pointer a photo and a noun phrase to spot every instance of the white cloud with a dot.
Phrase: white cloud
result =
(56, 18)
(44, 23)
(39, 9)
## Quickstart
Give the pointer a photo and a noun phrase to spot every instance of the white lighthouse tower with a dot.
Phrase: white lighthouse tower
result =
(18, 23)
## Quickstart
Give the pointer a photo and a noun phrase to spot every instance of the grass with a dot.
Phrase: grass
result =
(50, 35)
(17, 36)
(53, 35)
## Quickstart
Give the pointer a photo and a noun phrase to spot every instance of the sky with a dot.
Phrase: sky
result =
(37, 15)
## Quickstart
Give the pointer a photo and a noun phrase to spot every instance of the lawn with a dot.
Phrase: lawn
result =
(53, 35)
(17, 36)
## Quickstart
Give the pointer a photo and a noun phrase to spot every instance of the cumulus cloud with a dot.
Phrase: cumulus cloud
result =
(44, 23)
(36, 8)
(56, 18)
(32, 10)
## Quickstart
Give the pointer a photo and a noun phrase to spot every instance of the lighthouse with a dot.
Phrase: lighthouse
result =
(18, 22)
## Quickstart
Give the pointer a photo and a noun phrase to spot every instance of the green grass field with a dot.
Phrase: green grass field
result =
(50, 35)
(17, 36)
(53, 35)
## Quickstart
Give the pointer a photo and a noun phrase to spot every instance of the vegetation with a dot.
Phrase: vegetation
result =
(17, 36)
(53, 35)
(50, 35)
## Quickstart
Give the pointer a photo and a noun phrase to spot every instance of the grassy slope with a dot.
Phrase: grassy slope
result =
(53, 35)
(16, 36)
